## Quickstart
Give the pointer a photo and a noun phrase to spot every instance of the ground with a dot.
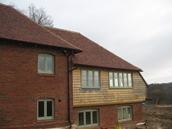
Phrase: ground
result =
(159, 117)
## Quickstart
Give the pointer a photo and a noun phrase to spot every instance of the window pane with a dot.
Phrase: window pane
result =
(129, 80)
(96, 78)
(49, 108)
(90, 78)
(124, 113)
(88, 118)
(84, 78)
(125, 80)
(129, 112)
(111, 79)
(81, 118)
(116, 79)
(119, 114)
(49, 64)
(41, 109)
(121, 79)
(41, 60)
(95, 117)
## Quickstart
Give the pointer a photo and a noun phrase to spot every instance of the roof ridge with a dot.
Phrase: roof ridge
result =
(5, 5)
(61, 29)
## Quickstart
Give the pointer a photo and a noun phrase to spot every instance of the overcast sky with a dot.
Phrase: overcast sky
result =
(139, 31)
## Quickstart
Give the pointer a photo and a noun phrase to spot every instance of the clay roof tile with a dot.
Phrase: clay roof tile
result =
(93, 54)
(16, 26)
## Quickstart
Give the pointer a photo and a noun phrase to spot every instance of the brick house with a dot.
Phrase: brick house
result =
(52, 78)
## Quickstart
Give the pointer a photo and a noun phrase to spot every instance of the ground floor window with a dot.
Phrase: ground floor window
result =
(88, 117)
(124, 113)
(45, 109)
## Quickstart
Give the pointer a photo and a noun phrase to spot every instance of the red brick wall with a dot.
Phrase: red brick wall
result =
(21, 86)
(108, 115)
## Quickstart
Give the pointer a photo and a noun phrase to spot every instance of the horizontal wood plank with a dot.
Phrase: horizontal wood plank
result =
(107, 95)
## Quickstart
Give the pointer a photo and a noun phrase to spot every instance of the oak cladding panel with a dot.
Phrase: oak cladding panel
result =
(106, 95)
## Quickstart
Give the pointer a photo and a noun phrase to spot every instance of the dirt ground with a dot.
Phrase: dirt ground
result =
(159, 117)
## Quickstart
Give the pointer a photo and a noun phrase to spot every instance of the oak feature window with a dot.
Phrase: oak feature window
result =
(46, 63)
(45, 109)
(120, 80)
(88, 118)
(90, 79)
(124, 113)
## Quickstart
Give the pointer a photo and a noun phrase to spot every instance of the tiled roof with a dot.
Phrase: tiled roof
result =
(16, 26)
(93, 54)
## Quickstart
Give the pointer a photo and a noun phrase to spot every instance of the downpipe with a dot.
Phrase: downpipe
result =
(68, 63)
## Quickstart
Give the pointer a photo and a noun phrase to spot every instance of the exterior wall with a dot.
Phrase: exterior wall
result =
(21, 86)
(108, 114)
(107, 95)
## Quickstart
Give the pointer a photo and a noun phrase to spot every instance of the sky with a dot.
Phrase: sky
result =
(139, 31)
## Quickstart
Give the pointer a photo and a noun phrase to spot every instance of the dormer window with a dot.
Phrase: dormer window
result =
(46, 63)
(120, 80)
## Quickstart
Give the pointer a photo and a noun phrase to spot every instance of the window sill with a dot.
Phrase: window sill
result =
(46, 75)
(124, 120)
(120, 88)
(90, 127)
(90, 89)
(46, 121)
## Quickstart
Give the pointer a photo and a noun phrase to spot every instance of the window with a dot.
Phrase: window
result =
(88, 118)
(45, 109)
(124, 113)
(90, 79)
(45, 63)
(120, 80)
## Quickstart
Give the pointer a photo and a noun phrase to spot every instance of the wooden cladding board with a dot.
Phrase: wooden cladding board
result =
(106, 95)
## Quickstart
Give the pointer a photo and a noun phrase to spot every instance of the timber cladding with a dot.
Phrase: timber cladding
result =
(107, 95)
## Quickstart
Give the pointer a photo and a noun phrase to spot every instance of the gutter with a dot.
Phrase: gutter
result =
(68, 61)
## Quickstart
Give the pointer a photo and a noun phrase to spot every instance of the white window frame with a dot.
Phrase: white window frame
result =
(120, 80)
(91, 114)
(45, 63)
(87, 78)
(129, 117)
(45, 109)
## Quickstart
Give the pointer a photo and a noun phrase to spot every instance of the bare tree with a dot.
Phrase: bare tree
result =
(163, 91)
(156, 95)
(38, 15)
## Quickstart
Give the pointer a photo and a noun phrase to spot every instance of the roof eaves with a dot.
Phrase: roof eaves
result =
(20, 41)
(139, 70)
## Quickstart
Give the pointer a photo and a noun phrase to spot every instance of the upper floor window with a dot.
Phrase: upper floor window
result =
(90, 79)
(46, 63)
(124, 113)
(120, 80)
(88, 118)
(45, 109)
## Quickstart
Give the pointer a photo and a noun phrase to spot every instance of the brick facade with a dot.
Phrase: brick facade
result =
(108, 114)
(21, 85)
